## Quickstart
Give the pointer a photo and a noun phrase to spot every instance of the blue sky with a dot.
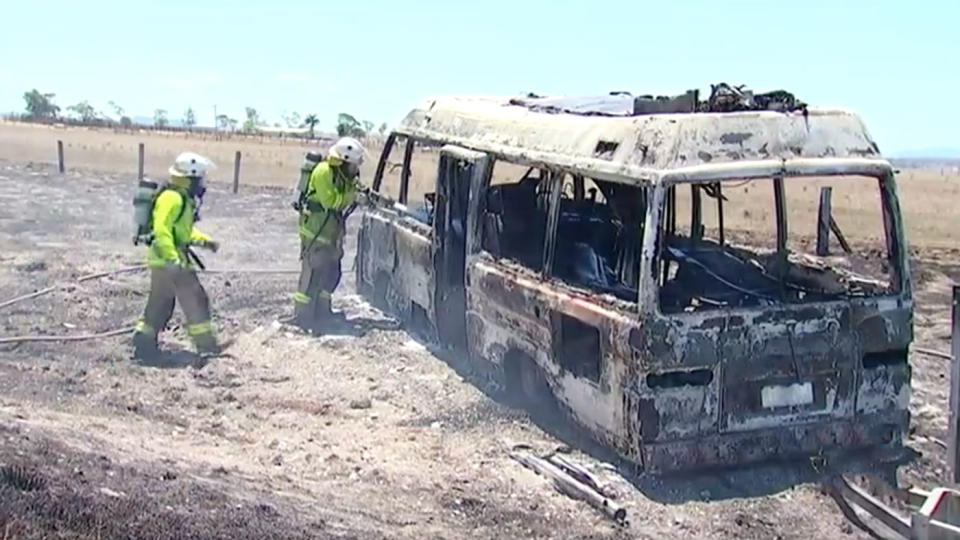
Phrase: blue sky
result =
(897, 63)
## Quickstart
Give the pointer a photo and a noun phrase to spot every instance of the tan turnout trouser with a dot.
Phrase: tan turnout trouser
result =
(168, 285)
(319, 276)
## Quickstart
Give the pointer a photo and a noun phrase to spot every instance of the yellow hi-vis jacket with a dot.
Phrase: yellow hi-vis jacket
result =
(173, 229)
(329, 193)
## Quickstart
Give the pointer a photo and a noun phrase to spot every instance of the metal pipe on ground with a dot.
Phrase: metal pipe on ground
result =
(570, 486)
(578, 472)
(932, 352)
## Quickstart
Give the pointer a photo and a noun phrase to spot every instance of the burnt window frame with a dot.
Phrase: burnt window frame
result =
(579, 195)
(410, 143)
(409, 146)
(660, 206)
(385, 152)
(482, 208)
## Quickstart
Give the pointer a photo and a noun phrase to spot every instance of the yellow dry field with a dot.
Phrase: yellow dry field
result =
(749, 207)
(264, 161)
(929, 199)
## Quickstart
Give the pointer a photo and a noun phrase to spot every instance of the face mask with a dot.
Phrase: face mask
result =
(197, 189)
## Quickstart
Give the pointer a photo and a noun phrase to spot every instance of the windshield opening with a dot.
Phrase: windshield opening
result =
(762, 242)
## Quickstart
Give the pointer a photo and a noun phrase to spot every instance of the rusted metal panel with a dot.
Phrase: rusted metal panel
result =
(379, 250)
(510, 308)
(737, 449)
(396, 260)
(413, 273)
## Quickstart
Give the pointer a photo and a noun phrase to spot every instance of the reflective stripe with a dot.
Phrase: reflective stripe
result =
(308, 234)
(200, 328)
(144, 328)
(301, 298)
(162, 263)
(323, 294)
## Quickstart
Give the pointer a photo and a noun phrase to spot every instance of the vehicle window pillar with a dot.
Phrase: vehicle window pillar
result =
(405, 172)
(553, 217)
(696, 215)
(719, 193)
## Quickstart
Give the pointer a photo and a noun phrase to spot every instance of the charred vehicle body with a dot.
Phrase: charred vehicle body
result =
(697, 284)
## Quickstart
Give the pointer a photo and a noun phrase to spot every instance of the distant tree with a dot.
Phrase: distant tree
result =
(223, 122)
(311, 121)
(126, 122)
(83, 111)
(349, 126)
(160, 118)
(40, 106)
(189, 118)
(292, 120)
(383, 128)
(368, 126)
(118, 110)
(252, 122)
(233, 124)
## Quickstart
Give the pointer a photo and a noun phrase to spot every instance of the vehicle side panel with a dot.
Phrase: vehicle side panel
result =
(395, 262)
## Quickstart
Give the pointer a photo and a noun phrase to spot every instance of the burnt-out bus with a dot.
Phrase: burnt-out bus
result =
(696, 287)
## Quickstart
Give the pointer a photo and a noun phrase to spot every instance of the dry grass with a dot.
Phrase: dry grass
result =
(266, 161)
(928, 198)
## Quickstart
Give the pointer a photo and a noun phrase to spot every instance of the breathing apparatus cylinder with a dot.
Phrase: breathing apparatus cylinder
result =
(143, 210)
(310, 161)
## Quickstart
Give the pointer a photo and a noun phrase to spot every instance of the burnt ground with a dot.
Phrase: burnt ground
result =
(368, 434)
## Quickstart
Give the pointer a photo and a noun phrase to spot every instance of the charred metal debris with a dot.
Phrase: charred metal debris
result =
(723, 98)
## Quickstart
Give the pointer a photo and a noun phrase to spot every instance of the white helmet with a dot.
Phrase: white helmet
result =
(191, 165)
(348, 150)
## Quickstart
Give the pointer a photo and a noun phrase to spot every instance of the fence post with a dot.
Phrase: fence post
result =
(140, 162)
(236, 172)
(953, 446)
(823, 222)
(60, 165)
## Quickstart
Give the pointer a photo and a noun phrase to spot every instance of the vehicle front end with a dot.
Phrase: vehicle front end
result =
(760, 340)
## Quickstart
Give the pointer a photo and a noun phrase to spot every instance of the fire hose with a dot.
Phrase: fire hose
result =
(82, 337)
(80, 279)
(99, 275)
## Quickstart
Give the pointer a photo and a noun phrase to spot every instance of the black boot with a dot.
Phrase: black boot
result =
(145, 347)
(207, 346)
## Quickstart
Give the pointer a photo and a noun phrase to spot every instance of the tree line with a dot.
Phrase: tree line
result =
(40, 107)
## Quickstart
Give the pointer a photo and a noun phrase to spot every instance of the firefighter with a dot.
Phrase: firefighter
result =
(172, 274)
(330, 196)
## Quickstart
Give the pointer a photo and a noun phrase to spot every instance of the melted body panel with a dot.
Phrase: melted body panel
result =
(394, 265)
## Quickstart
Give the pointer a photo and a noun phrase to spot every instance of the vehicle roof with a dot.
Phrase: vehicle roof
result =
(648, 147)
